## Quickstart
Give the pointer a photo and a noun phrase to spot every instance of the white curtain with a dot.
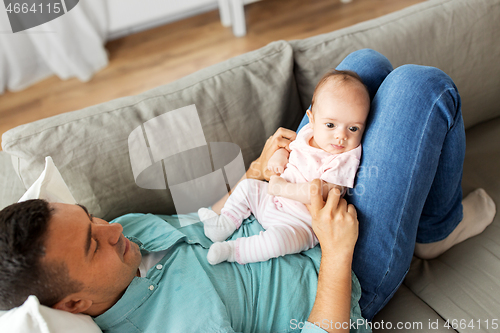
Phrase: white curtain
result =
(71, 45)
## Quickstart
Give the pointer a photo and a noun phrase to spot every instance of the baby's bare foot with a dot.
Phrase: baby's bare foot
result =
(479, 210)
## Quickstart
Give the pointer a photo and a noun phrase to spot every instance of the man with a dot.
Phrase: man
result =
(78, 263)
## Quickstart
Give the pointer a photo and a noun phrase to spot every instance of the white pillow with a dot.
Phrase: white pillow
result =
(49, 186)
(32, 316)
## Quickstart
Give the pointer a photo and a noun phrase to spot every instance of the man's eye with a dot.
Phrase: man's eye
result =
(330, 125)
(353, 129)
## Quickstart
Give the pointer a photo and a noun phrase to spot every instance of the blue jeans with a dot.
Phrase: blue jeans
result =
(408, 186)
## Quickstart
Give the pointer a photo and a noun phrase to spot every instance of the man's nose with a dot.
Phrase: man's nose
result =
(111, 232)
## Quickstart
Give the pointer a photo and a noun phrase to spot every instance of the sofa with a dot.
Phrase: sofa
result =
(245, 99)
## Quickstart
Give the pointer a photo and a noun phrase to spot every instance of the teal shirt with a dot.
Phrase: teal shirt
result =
(184, 293)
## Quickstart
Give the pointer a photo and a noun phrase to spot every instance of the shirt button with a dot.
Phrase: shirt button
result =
(151, 287)
(159, 266)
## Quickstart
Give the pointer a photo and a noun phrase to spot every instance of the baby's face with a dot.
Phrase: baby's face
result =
(339, 116)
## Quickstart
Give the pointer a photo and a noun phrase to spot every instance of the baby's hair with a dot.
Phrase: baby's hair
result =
(341, 76)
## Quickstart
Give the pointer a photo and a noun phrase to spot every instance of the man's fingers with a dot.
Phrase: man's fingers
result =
(352, 210)
(342, 205)
(285, 133)
(283, 143)
(333, 198)
(317, 202)
(283, 137)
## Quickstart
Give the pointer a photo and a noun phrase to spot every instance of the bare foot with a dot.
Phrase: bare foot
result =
(479, 210)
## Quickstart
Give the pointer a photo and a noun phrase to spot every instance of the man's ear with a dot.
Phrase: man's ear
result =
(73, 304)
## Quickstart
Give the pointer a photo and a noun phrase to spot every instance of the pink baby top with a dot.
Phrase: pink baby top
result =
(307, 163)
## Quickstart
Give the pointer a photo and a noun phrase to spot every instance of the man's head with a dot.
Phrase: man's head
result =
(338, 113)
(72, 261)
(23, 233)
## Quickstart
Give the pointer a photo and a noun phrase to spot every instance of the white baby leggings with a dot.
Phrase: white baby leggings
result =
(288, 230)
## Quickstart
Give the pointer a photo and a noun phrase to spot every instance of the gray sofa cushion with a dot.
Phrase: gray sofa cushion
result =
(451, 35)
(463, 283)
(407, 313)
(11, 188)
(242, 100)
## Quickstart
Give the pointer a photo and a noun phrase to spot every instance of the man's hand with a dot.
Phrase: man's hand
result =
(334, 223)
(258, 169)
(336, 226)
(281, 139)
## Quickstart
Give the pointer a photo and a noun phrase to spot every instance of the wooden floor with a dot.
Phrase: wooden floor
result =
(161, 55)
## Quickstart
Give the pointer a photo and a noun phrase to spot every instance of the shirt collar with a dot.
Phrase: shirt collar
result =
(138, 291)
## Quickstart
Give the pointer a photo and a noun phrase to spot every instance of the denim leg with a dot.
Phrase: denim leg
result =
(408, 185)
(370, 65)
(412, 150)
(442, 211)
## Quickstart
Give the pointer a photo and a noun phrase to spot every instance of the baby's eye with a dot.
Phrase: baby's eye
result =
(330, 125)
(353, 128)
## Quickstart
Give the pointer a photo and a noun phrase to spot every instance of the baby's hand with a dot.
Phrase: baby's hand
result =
(277, 163)
(276, 184)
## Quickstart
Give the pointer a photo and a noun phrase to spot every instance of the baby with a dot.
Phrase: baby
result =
(327, 148)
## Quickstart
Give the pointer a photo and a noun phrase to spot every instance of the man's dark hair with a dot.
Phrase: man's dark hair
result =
(23, 232)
